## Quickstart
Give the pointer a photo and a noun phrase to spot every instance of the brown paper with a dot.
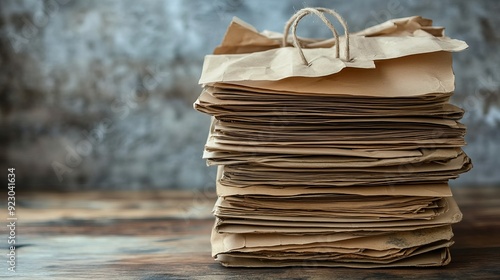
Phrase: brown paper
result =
(329, 161)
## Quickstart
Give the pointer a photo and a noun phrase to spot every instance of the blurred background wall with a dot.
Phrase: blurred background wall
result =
(98, 94)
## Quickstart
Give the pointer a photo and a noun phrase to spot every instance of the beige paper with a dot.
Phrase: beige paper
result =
(329, 161)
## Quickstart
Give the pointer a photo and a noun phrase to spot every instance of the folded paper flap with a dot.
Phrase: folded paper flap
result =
(263, 59)
(275, 64)
(241, 37)
(407, 26)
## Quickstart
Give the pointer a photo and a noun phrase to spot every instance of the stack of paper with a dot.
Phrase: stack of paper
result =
(349, 168)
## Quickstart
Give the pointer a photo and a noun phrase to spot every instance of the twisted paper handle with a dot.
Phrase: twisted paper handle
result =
(294, 20)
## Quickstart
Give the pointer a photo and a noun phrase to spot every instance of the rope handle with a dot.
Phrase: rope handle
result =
(295, 19)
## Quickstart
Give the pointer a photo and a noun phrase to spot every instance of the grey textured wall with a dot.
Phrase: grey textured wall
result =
(101, 91)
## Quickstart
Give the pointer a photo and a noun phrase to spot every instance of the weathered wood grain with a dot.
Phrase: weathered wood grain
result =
(165, 235)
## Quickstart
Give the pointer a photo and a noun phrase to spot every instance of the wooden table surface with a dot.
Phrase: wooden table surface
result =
(165, 235)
